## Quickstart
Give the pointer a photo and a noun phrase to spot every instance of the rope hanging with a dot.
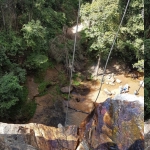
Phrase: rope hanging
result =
(72, 63)
(137, 91)
(112, 49)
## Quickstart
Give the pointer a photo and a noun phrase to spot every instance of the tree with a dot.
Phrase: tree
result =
(35, 36)
(147, 60)
(130, 43)
(102, 18)
(9, 91)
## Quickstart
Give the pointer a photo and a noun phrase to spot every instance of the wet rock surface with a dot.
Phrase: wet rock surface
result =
(115, 124)
(50, 113)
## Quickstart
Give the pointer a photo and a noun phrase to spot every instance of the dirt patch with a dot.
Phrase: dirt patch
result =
(51, 75)
(32, 88)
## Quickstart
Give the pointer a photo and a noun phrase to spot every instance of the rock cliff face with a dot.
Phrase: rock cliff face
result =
(147, 135)
(37, 137)
(113, 125)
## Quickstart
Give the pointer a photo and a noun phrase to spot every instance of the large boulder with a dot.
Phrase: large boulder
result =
(66, 89)
(115, 124)
(37, 137)
(147, 135)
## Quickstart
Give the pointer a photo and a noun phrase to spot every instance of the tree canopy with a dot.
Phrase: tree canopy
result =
(147, 59)
(102, 18)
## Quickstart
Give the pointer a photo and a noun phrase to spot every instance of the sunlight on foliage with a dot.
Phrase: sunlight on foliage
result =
(139, 65)
(35, 35)
(36, 61)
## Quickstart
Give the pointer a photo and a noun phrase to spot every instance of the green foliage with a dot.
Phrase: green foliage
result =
(77, 83)
(62, 79)
(42, 87)
(147, 98)
(11, 43)
(9, 91)
(23, 110)
(57, 89)
(70, 10)
(28, 111)
(65, 96)
(26, 29)
(101, 20)
(147, 60)
(76, 79)
(36, 61)
(60, 47)
(35, 35)
(11, 47)
(19, 72)
(50, 64)
(39, 76)
(130, 42)
(139, 66)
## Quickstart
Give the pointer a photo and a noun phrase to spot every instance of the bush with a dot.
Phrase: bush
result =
(36, 61)
(35, 35)
(24, 110)
(139, 65)
(42, 87)
(9, 92)
(28, 111)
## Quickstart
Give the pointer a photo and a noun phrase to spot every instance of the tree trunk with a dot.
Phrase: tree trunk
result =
(97, 67)
(3, 17)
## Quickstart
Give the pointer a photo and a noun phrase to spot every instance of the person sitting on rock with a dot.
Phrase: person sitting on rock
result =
(124, 89)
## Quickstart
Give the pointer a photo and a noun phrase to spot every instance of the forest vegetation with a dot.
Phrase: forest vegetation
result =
(147, 59)
(31, 29)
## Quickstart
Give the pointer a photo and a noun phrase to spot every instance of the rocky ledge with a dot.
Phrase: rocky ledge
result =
(147, 135)
(116, 124)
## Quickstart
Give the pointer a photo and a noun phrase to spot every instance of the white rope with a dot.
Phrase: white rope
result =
(71, 69)
(137, 91)
(112, 49)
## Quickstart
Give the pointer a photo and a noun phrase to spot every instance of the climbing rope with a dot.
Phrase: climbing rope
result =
(137, 91)
(71, 68)
(112, 49)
